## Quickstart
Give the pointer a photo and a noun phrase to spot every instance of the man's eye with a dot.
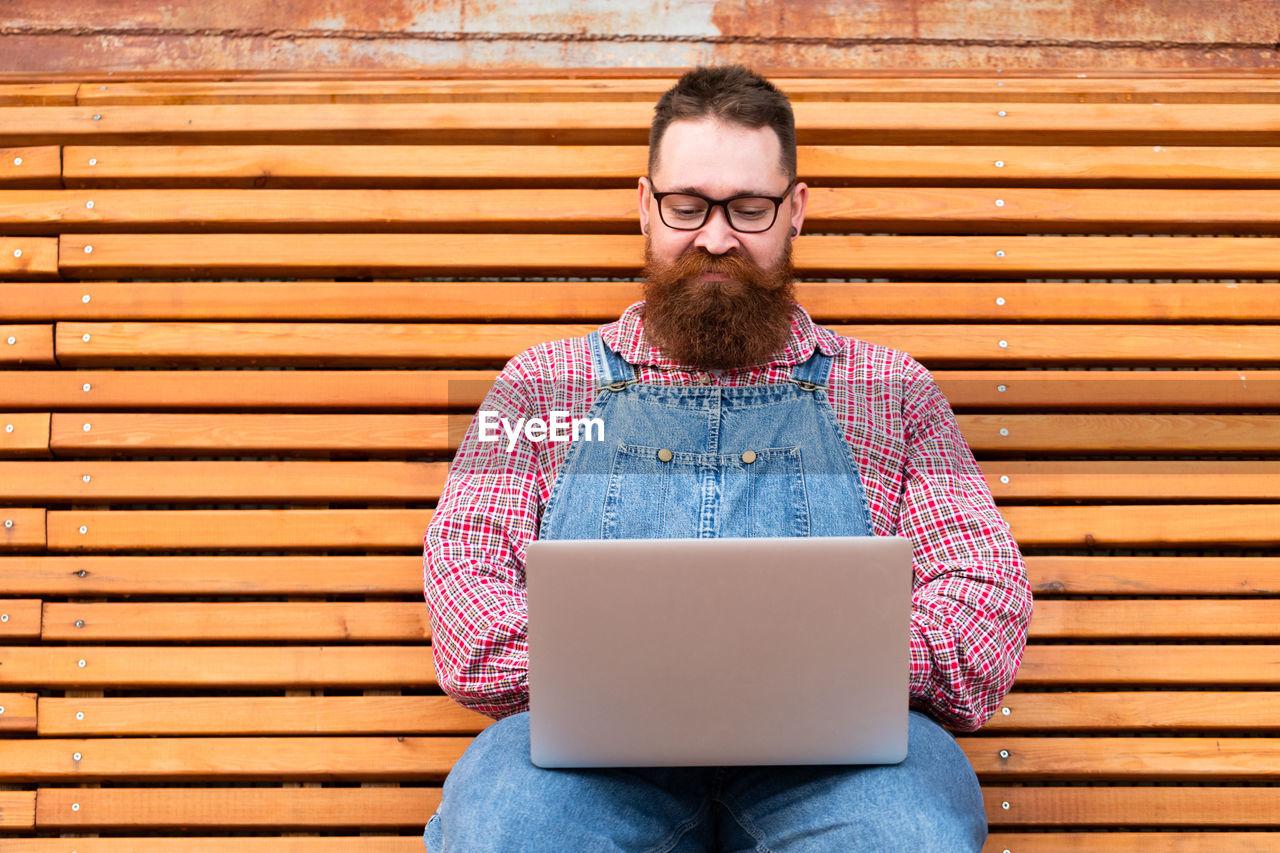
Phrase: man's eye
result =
(750, 212)
(686, 212)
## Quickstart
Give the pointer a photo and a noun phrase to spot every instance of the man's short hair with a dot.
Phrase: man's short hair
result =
(731, 93)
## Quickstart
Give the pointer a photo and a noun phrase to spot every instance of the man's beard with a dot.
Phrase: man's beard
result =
(717, 325)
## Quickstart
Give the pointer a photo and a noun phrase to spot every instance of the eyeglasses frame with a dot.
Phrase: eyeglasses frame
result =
(723, 204)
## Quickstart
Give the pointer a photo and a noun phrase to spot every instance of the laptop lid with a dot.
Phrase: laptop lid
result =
(708, 652)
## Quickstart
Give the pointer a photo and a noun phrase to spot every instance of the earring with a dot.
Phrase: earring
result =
(795, 232)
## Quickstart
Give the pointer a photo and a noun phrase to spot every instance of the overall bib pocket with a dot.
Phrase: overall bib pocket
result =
(662, 493)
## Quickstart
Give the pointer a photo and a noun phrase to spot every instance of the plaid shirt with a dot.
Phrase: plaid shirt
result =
(971, 601)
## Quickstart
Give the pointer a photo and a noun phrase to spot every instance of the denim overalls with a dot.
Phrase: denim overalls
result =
(705, 461)
(682, 461)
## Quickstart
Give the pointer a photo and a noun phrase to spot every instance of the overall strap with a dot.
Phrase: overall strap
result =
(813, 372)
(611, 368)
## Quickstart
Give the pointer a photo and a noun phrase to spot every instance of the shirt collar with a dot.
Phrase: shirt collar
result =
(626, 337)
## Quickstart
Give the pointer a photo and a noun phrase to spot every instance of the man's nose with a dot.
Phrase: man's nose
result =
(715, 235)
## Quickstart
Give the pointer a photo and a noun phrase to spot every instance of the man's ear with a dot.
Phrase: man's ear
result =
(644, 189)
(799, 198)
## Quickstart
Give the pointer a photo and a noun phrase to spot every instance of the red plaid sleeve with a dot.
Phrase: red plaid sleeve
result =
(474, 548)
(971, 602)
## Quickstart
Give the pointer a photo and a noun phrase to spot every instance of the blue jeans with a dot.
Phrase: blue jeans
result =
(496, 800)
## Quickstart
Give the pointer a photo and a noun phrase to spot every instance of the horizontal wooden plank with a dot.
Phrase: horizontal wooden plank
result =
(1043, 665)
(222, 575)
(1245, 711)
(17, 810)
(628, 122)
(299, 435)
(1107, 390)
(17, 714)
(218, 844)
(401, 575)
(233, 715)
(420, 759)
(24, 434)
(30, 167)
(1012, 480)
(104, 255)
(81, 344)
(211, 621)
(285, 166)
(299, 344)
(1118, 434)
(109, 255)
(1019, 256)
(211, 666)
(1198, 618)
(21, 528)
(1248, 389)
(99, 481)
(1132, 842)
(366, 529)
(291, 166)
(274, 808)
(599, 301)
(429, 758)
(381, 210)
(998, 434)
(226, 575)
(394, 390)
(1016, 210)
(1007, 88)
(1154, 575)
(1218, 526)
(1053, 165)
(1127, 759)
(1146, 806)
(20, 618)
(338, 480)
(606, 123)
(26, 345)
(51, 94)
(27, 257)
(1166, 665)
(907, 210)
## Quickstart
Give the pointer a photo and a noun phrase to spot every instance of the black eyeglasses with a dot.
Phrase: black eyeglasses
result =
(750, 214)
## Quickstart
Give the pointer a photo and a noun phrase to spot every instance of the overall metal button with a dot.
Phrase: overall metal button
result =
(748, 457)
(664, 455)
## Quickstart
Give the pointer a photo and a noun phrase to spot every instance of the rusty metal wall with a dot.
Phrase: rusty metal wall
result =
(39, 36)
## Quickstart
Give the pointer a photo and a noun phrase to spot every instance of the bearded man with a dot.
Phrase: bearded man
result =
(716, 367)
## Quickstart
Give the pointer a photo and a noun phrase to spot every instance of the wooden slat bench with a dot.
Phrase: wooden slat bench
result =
(213, 490)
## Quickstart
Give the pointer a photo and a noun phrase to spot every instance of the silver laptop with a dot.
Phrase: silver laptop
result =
(716, 652)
